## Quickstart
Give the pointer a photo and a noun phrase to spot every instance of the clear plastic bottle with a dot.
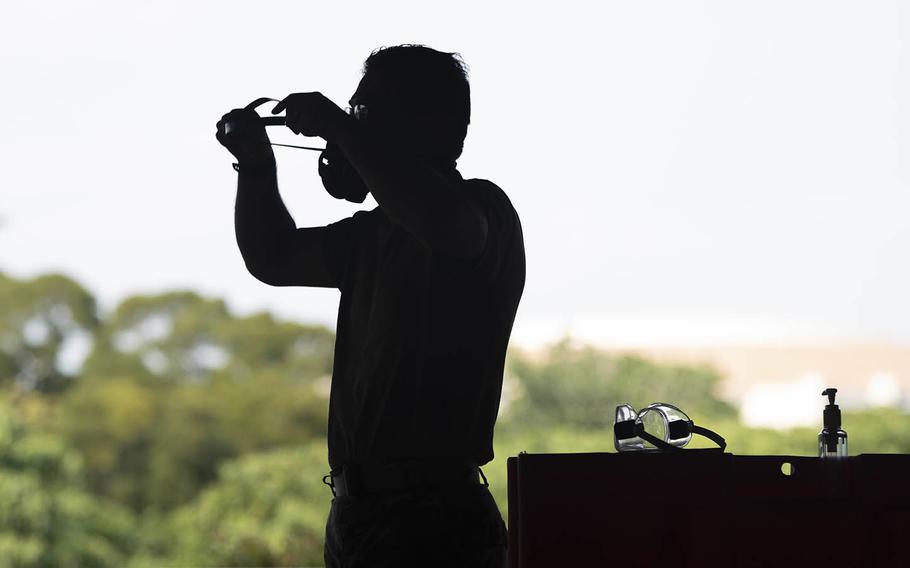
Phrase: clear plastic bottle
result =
(832, 440)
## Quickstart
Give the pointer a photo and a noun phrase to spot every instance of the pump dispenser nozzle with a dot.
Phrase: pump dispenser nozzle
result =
(832, 440)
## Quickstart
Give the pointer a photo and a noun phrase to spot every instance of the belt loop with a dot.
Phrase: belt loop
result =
(330, 483)
(485, 482)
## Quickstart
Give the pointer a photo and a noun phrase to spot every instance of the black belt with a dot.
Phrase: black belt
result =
(356, 480)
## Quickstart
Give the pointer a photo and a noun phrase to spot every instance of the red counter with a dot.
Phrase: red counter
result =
(704, 508)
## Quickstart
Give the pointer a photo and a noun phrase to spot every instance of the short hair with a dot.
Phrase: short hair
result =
(432, 82)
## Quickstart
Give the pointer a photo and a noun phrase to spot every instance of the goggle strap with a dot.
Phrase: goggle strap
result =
(260, 101)
(622, 431)
(654, 440)
(275, 121)
(711, 435)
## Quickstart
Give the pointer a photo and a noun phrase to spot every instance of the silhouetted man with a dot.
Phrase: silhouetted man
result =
(430, 282)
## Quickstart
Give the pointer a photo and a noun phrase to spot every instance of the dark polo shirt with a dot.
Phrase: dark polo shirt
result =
(421, 337)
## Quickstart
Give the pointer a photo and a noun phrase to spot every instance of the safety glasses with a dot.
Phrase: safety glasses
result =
(359, 112)
(658, 426)
(272, 121)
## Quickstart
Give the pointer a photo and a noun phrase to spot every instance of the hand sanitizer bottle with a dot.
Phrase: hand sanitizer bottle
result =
(832, 441)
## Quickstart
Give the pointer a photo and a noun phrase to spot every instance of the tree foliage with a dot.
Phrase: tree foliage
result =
(184, 337)
(47, 518)
(581, 386)
(38, 317)
(267, 509)
(194, 436)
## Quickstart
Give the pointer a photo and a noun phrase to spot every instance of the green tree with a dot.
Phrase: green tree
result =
(581, 387)
(184, 337)
(176, 384)
(37, 318)
(877, 431)
(204, 425)
(46, 517)
(111, 423)
(266, 509)
(148, 446)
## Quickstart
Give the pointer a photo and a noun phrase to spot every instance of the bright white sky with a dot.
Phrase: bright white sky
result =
(686, 172)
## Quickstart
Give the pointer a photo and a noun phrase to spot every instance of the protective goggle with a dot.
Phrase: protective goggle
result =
(358, 112)
(269, 121)
(658, 426)
(338, 176)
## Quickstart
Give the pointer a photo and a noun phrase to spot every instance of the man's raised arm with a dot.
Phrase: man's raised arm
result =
(274, 250)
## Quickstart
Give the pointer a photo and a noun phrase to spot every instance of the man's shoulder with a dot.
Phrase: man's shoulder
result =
(365, 214)
(492, 196)
(363, 217)
(483, 184)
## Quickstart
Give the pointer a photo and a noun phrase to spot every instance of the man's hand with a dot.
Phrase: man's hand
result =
(241, 131)
(312, 114)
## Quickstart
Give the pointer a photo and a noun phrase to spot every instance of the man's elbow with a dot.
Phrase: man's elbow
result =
(266, 271)
(261, 275)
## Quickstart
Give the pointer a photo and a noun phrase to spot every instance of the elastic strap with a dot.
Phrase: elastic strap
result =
(261, 101)
(654, 440)
(711, 435)
(276, 121)
(658, 443)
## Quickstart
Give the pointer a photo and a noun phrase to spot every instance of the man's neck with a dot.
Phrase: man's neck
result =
(448, 169)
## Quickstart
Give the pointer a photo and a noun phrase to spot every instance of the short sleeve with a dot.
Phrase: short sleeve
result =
(504, 247)
(339, 243)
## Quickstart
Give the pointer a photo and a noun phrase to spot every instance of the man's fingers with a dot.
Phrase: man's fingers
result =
(238, 125)
(302, 110)
(292, 119)
(221, 129)
(294, 99)
(235, 115)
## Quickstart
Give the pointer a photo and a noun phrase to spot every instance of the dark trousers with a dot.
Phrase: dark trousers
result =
(452, 526)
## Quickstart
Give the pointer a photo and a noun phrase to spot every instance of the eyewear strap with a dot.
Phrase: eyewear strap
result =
(658, 443)
(276, 121)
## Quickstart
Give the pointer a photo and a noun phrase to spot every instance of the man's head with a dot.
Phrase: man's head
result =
(418, 96)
